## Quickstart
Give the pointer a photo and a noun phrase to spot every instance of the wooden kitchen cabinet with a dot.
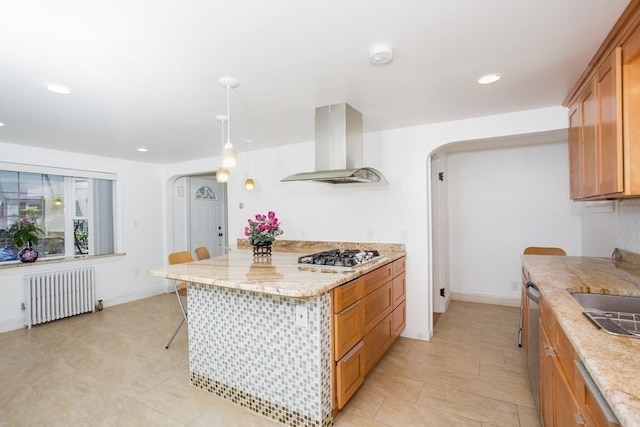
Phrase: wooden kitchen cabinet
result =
(595, 134)
(349, 328)
(350, 372)
(565, 398)
(604, 117)
(369, 314)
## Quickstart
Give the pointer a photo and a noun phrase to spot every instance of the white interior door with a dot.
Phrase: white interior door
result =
(207, 222)
(439, 237)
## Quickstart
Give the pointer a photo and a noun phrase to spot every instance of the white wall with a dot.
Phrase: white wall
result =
(501, 201)
(308, 211)
(140, 204)
(395, 214)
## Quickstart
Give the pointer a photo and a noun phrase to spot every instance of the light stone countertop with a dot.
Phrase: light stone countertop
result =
(277, 275)
(612, 361)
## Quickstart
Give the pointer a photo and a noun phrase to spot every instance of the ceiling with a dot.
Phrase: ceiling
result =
(145, 72)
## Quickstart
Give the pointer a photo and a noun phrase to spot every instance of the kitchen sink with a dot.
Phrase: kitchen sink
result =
(615, 314)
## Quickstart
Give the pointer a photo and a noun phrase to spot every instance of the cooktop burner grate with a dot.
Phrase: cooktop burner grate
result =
(338, 258)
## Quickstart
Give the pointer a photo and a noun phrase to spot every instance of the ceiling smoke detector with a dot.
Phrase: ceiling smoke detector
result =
(380, 54)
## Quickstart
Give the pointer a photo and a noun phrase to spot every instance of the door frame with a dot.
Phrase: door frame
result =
(177, 212)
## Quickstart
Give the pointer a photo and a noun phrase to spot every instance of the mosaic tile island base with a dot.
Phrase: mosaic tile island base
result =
(260, 327)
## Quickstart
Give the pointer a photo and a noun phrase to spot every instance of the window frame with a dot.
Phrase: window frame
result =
(70, 176)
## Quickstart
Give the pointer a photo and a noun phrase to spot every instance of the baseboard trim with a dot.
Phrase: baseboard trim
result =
(12, 324)
(15, 324)
(417, 335)
(486, 299)
(145, 293)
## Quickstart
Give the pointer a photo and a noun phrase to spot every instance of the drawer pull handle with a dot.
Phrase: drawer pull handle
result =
(549, 350)
(351, 353)
(579, 419)
(351, 307)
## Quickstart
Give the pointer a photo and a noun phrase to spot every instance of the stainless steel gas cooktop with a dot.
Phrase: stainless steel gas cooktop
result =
(338, 258)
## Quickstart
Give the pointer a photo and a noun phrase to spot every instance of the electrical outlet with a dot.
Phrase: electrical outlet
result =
(514, 285)
(301, 316)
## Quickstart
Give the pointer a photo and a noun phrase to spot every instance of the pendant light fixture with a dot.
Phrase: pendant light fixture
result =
(222, 174)
(249, 183)
(228, 157)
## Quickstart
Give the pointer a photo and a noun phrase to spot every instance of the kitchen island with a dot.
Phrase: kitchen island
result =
(612, 361)
(260, 328)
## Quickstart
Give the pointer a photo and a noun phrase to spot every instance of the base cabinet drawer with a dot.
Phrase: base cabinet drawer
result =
(349, 328)
(345, 295)
(399, 266)
(399, 289)
(368, 315)
(399, 319)
(350, 371)
(377, 305)
(377, 342)
(376, 278)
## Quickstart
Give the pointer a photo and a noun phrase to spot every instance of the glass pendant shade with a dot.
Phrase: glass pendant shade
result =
(222, 174)
(249, 184)
(229, 157)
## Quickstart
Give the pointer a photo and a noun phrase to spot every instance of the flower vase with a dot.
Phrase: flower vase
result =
(262, 248)
(28, 253)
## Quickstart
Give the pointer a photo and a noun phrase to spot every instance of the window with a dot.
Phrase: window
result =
(74, 213)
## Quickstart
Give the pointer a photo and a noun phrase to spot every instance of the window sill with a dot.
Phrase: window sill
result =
(53, 261)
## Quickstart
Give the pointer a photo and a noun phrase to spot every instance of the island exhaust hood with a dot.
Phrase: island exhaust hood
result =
(338, 148)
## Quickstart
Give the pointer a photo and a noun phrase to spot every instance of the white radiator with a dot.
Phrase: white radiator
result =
(54, 295)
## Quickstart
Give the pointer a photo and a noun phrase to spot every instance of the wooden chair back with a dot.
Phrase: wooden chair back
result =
(202, 253)
(180, 257)
(539, 250)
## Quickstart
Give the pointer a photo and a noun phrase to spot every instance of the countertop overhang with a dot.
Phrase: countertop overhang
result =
(612, 361)
(278, 274)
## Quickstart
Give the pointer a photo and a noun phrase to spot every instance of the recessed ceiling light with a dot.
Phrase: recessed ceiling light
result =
(142, 149)
(489, 78)
(1, 124)
(381, 53)
(59, 89)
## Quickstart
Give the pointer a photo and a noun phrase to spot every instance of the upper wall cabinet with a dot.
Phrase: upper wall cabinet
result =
(604, 117)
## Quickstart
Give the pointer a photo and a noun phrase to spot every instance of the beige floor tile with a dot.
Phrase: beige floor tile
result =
(348, 419)
(470, 406)
(364, 404)
(397, 412)
(529, 417)
(507, 372)
(393, 385)
(507, 391)
(111, 368)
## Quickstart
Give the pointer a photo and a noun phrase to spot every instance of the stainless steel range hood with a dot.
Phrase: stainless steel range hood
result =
(339, 149)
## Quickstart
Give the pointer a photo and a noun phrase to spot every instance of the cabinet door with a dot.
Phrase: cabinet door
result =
(347, 294)
(376, 278)
(377, 305)
(399, 266)
(399, 319)
(589, 146)
(399, 289)
(377, 342)
(575, 151)
(350, 371)
(565, 409)
(546, 385)
(349, 328)
(609, 101)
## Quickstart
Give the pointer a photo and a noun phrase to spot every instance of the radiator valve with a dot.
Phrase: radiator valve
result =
(99, 305)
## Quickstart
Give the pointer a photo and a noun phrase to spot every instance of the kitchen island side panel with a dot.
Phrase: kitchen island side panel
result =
(248, 347)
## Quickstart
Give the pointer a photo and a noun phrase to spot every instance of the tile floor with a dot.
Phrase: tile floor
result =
(111, 369)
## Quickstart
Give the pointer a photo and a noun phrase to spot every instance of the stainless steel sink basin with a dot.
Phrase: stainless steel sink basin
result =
(608, 302)
(615, 314)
